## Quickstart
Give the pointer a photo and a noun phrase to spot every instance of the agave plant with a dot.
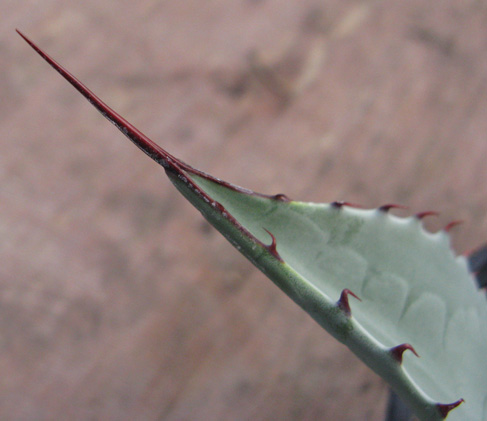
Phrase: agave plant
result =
(394, 293)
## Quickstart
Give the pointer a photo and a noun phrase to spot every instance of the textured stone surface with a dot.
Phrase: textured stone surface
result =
(117, 301)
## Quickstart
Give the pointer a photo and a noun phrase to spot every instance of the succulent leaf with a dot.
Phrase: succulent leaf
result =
(415, 293)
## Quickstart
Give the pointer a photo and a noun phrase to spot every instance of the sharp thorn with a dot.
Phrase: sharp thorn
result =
(422, 215)
(273, 246)
(337, 205)
(340, 204)
(398, 351)
(445, 408)
(281, 197)
(389, 206)
(452, 224)
(343, 303)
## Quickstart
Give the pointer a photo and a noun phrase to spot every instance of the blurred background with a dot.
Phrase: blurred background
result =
(117, 300)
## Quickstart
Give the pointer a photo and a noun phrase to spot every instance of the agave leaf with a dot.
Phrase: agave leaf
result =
(415, 294)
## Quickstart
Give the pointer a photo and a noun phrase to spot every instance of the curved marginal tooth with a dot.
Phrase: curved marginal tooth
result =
(281, 197)
(343, 303)
(340, 204)
(422, 215)
(273, 246)
(398, 351)
(452, 224)
(445, 408)
(389, 206)
(337, 204)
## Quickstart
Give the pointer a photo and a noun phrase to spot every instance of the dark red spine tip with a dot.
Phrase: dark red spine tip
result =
(445, 408)
(422, 215)
(154, 151)
(452, 224)
(398, 351)
(281, 197)
(273, 246)
(343, 303)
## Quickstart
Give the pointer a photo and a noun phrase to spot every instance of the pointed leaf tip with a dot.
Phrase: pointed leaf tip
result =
(154, 151)
(398, 351)
(343, 302)
(445, 408)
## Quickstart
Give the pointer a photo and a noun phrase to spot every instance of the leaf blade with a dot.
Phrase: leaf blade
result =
(316, 252)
